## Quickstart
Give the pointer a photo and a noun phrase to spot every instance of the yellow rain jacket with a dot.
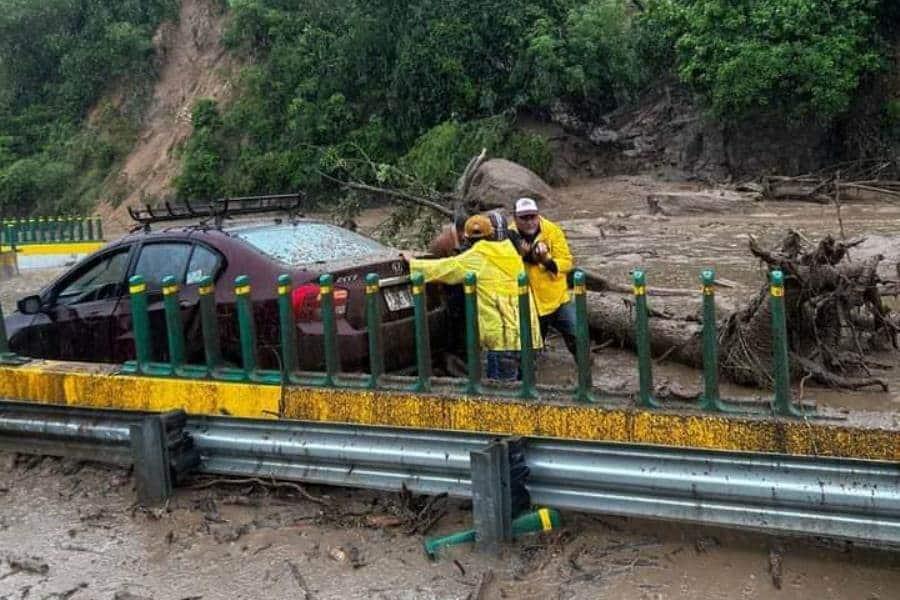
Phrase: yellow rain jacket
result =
(497, 266)
(550, 290)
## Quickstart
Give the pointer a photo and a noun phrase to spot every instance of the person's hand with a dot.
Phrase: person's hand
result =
(541, 253)
(524, 248)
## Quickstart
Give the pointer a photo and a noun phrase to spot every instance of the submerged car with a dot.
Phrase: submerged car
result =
(85, 315)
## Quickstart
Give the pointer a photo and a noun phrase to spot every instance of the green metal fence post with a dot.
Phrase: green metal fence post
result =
(174, 326)
(51, 228)
(373, 322)
(246, 325)
(212, 347)
(642, 341)
(80, 229)
(99, 230)
(90, 228)
(473, 343)
(140, 321)
(711, 400)
(329, 329)
(781, 363)
(423, 341)
(583, 392)
(526, 340)
(287, 325)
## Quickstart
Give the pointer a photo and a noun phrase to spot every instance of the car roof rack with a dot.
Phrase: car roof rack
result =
(217, 210)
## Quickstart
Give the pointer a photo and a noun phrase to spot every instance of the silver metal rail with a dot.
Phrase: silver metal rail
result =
(854, 500)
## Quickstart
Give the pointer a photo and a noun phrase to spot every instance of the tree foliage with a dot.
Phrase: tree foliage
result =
(790, 58)
(56, 59)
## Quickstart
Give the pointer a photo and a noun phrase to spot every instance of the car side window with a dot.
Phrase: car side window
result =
(160, 260)
(203, 262)
(101, 280)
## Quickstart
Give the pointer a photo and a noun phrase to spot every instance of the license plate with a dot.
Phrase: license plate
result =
(398, 298)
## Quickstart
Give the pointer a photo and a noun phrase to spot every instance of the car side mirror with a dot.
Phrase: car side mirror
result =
(30, 305)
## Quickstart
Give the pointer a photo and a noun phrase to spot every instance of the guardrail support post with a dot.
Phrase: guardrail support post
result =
(526, 340)
(140, 322)
(150, 452)
(174, 326)
(491, 496)
(780, 360)
(329, 329)
(212, 348)
(373, 322)
(287, 327)
(473, 344)
(642, 341)
(246, 325)
(423, 345)
(582, 341)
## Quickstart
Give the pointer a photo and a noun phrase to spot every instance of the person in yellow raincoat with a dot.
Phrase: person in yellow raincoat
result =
(548, 261)
(496, 265)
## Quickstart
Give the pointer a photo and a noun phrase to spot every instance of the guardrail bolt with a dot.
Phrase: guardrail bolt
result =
(423, 341)
(781, 363)
(473, 343)
(642, 341)
(140, 320)
(212, 348)
(526, 340)
(373, 322)
(329, 329)
(287, 327)
(174, 325)
(583, 392)
(246, 325)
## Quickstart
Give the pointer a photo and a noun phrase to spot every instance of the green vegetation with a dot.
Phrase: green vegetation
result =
(344, 88)
(56, 59)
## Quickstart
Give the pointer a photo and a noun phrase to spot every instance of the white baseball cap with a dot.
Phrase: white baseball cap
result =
(526, 206)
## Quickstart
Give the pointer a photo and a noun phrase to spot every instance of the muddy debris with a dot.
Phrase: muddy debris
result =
(32, 565)
(776, 566)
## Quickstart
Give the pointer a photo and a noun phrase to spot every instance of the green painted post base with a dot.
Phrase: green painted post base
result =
(544, 519)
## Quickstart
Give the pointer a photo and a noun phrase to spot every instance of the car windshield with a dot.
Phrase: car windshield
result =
(301, 243)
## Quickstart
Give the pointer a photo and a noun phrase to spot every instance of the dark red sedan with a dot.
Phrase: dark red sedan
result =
(85, 315)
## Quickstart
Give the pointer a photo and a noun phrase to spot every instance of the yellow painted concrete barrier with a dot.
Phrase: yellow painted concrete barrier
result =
(870, 436)
(56, 248)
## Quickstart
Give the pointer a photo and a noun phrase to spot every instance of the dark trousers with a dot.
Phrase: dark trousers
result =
(563, 321)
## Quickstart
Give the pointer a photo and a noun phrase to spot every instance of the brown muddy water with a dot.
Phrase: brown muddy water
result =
(70, 530)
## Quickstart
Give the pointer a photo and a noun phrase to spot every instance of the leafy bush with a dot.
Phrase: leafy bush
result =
(797, 58)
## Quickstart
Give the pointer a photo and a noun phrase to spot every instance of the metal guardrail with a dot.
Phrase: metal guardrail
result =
(43, 230)
(846, 499)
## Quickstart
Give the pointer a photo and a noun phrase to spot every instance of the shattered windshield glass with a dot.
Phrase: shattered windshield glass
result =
(301, 243)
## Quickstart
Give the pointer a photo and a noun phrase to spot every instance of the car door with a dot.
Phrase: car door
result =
(81, 306)
(188, 263)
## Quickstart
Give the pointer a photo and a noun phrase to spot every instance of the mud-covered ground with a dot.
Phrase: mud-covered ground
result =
(70, 530)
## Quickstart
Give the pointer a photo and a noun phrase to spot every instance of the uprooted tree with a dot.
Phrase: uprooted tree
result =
(835, 317)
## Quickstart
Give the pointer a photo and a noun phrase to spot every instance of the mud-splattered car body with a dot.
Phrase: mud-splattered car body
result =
(85, 314)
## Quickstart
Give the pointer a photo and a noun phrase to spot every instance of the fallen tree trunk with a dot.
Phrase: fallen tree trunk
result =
(834, 317)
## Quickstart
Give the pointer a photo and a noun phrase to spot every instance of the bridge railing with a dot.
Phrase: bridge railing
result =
(48, 230)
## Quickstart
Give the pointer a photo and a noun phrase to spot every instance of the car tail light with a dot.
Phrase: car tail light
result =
(307, 301)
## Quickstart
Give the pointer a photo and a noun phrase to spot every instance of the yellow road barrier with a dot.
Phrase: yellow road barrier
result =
(56, 248)
(869, 436)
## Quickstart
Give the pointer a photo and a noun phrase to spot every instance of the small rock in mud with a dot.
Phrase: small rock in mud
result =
(351, 555)
(126, 595)
(28, 564)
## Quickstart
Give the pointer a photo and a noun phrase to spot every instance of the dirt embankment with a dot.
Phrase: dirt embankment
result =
(195, 65)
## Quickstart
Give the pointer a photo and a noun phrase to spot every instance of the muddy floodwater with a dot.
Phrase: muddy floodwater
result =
(71, 531)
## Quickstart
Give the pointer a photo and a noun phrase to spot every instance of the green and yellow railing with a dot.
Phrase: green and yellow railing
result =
(424, 382)
(41, 231)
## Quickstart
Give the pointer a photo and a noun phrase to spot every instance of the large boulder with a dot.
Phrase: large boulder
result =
(499, 183)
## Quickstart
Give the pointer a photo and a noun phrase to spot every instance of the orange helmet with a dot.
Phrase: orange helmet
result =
(479, 227)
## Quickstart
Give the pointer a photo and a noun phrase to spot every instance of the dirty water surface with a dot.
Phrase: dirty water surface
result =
(71, 530)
